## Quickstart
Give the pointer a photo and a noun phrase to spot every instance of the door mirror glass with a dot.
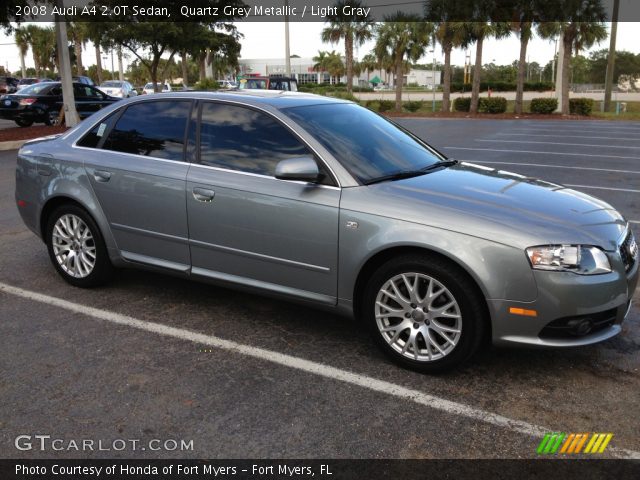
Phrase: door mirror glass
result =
(304, 169)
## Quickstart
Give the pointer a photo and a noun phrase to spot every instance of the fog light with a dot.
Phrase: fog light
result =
(580, 326)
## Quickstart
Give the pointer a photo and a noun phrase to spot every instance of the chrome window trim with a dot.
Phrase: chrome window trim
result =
(284, 122)
(188, 164)
(215, 100)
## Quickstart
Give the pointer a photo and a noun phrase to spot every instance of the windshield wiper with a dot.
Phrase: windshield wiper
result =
(412, 173)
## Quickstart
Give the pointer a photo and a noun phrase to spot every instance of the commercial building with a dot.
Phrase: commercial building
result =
(302, 69)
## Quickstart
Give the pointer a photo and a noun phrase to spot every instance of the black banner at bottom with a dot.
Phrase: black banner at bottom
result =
(317, 469)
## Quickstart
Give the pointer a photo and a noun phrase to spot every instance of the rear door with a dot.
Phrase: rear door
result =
(139, 178)
(248, 227)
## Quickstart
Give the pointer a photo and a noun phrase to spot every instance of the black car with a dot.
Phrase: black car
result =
(41, 103)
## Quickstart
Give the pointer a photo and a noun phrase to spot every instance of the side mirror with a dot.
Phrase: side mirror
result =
(303, 169)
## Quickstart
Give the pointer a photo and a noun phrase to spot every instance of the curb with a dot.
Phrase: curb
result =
(12, 145)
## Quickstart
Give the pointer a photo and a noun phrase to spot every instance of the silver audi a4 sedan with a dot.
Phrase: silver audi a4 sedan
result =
(321, 201)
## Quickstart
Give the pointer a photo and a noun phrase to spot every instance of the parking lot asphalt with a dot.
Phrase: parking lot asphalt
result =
(128, 370)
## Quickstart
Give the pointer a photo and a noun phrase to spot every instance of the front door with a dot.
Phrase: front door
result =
(246, 226)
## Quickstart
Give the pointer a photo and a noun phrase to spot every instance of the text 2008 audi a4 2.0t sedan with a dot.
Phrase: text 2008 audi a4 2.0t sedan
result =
(322, 201)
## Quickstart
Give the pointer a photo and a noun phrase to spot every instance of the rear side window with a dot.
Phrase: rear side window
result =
(92, 138)
(239, 138)
(154, 129)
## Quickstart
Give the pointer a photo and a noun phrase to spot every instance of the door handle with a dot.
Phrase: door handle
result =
(101, 175)
(203, 194)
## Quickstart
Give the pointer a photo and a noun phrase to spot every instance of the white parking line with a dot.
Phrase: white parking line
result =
(602, 188)
(373, 384)
(540, 153)
(558, 143)
(562, 135)
(553, 166)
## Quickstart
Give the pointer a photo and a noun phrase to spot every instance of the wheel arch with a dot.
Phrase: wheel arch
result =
(92, 209)
(382, 256)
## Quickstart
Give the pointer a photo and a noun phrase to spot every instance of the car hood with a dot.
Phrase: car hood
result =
(496, 205)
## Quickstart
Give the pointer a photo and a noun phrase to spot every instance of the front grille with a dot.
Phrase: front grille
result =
(570, 326)
(628, 251)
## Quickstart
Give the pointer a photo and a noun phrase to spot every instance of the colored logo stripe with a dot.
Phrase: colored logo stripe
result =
(558, 442)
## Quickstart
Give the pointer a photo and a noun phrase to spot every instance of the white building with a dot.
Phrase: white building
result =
(302, 70)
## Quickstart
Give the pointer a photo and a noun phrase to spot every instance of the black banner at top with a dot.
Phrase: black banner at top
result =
(214, 11)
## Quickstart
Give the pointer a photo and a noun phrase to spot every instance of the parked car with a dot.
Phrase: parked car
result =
(117, 88)
(25, 82)
(148, 88)
(80, 79)
(291, 195)
(41, 103)
(269, 83)
(8, 84)
(227, 84)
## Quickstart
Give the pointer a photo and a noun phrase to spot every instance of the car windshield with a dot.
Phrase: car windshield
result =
(149, 86)
(111, 84)
(369, 146)
(36, 89)
(27, 81)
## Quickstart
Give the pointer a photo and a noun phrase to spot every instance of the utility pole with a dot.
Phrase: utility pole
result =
(559, 71)
(611, 60)
(287, 53)
(120, 67)
(66, 77)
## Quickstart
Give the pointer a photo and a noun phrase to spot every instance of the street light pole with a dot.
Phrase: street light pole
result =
(287, 53)
(433, 79)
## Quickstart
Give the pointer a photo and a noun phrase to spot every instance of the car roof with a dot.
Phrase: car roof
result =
(275, 98)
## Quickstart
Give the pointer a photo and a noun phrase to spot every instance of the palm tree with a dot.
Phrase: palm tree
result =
(403, 38)
(22, 41)
(584, 27)
(525, 13)
(43, 46)
(369, 63)
(351, 30)
(478, 31)
(449, 35)
(31, 33)
(77, 33)
(320, 62)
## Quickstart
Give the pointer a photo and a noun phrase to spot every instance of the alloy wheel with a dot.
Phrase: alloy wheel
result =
(418, 317)
(73, 245)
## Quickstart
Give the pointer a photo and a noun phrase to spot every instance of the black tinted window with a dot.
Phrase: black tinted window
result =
(243, 139)
(92, 138)
(155, 129)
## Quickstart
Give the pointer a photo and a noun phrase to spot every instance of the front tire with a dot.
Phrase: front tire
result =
(23, 123)
(424, 312)
(76, 247)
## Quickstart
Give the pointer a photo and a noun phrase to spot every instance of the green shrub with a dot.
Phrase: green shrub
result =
(462, 104)
(543, 105)
(372, 105)
(492, 105)
(580, 106)
(207, 84)
(412, 106)
(385, 105)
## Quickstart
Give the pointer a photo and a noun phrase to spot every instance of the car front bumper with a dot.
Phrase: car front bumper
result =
(602, 301)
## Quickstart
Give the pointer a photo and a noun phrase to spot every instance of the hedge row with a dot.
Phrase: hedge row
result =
(503, 86)
(485, 105)
(543, 105)
(580, 106)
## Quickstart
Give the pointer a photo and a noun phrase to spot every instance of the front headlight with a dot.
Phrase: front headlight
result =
(580, 259)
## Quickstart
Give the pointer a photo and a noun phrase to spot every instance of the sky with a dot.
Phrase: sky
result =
(266, 40)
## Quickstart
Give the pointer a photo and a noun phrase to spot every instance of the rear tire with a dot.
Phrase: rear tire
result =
(424, 313)
(76, 247)
(51, 117)
(23, 123)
